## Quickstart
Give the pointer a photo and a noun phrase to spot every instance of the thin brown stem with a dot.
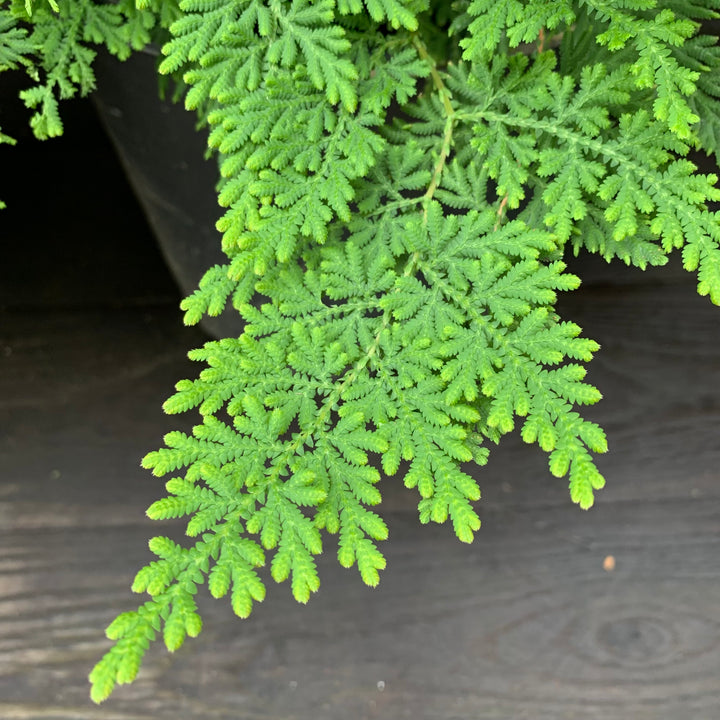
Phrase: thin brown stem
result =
(500, 212)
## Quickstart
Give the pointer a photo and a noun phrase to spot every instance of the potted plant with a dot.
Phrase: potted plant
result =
(402, 179)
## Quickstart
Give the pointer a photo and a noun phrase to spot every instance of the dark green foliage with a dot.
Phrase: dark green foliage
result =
(63, 32)
(401, 179)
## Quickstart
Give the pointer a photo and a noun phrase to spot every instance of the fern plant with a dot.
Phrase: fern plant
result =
(400, 179)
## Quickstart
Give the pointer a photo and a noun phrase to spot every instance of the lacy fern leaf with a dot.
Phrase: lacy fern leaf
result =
(400, 181)
(63, 33)
(410, 267)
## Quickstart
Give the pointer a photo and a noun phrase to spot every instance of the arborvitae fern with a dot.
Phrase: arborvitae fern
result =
(400, 178)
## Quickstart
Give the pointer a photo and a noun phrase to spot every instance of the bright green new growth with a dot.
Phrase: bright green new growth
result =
(400, 178)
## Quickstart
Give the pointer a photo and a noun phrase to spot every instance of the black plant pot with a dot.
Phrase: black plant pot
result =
(162, 154)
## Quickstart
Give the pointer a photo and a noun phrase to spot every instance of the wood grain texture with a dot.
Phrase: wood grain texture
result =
(524, 623)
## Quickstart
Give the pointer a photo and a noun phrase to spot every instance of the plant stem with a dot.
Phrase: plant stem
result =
(445, 95)
(500, 212)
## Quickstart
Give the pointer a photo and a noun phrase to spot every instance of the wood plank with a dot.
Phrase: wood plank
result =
(524, 623)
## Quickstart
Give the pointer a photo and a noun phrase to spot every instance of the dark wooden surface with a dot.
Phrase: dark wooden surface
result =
(525, 623)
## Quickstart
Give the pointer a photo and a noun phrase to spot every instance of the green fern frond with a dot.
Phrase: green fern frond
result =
(30, 4)
(285, 34)
(515, 22)
(16, 48)
(618, 24)
(398, 13)
(628, 166)
(400, 180)
(693, 9)
(372, 361)
(280, 85)
(64, 34)
(702, 55)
